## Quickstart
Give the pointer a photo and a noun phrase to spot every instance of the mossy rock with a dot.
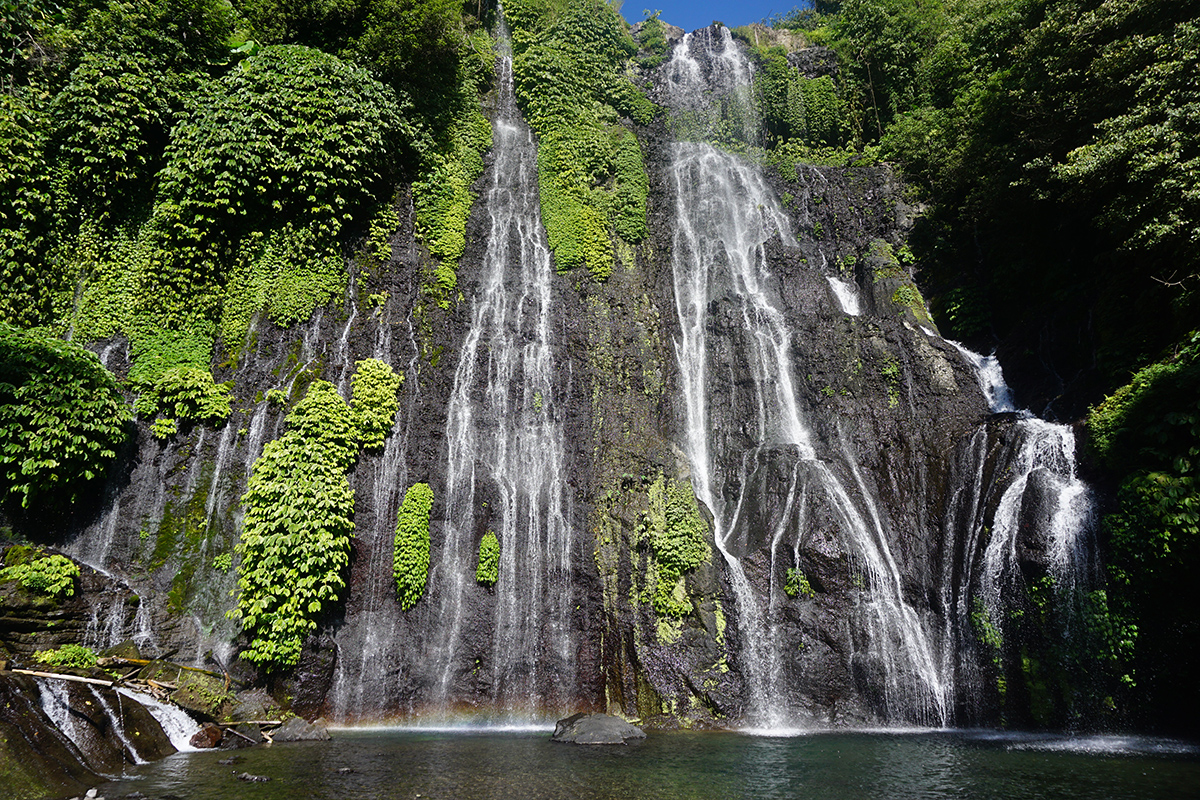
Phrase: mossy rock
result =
(205, 695)
(126, 649)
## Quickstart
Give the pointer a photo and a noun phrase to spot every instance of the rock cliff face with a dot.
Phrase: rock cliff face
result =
(768, 486)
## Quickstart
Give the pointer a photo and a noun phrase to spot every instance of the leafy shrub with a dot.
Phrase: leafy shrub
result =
(488, 570)
(186, 393)
(411, 557)
(53, 575)
(73, 656)
(373, 392)
(676, 533)
(796, 584)
(295, 544)
(62, 416)
(568, 74)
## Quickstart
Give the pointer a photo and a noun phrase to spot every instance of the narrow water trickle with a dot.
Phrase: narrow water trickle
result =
(369, 646)
(506, 469)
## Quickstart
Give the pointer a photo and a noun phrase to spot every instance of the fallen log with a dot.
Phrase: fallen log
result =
(60, 676)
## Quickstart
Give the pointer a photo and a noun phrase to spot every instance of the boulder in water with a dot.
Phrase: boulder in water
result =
(209, 735)
(297, 730)
(595, 729)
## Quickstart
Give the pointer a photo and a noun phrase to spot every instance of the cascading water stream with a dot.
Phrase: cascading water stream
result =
(725, 216)
(1042, 462)
(368, 646)
(506, 469)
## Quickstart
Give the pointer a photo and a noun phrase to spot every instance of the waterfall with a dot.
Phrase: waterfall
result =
(726, 301)
(369, 646)
(1042, 469)
(175, 722)
(506, 468)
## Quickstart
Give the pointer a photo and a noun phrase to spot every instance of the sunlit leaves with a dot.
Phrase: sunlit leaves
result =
(62, 416)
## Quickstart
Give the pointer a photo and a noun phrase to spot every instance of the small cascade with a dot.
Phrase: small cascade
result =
(106, 625)
(342, 349)
(118, 723)
(56, 705)
(1044, 502)
(708, 88)
(175, 722)
(729, 314)
(506, 469)
(846, 294)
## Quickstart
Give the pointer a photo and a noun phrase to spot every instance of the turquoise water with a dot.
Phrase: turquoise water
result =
(386, 764)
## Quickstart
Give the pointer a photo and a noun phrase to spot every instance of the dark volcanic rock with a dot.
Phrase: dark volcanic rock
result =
(248, 778)
(595, 729)
(209, 735)
(298, 730)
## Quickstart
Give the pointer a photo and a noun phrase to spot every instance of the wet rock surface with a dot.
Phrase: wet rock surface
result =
(299, 730)
(595, 729)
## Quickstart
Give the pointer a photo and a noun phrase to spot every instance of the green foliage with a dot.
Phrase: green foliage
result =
(676, 534)
(487, 572)
(25, 213)
(71, 656)
(652, 41)
(442, 197)
(111, 122)
(53, 575)
(1058, 143)
(186, 393)
(797, 110)
(568, 73)
(287, 273)
(411, 558)
(292, 136)
(156, 351)
(986, 631)
(796, 584)
(295, 544)
(62, 416)
(373, 400)
(222, 562)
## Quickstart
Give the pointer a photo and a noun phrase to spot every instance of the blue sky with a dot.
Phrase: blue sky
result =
(698, 14)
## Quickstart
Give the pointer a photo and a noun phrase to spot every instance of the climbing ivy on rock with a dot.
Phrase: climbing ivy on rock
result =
(677, 536)
(487, 571)
(295, 544)
(411, 556)
(186, 393)
(568, 73)
(25, 213)
(291, 136)
(62, 416)
(373, 400)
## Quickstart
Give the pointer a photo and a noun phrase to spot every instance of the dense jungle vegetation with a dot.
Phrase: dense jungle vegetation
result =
(174, 168)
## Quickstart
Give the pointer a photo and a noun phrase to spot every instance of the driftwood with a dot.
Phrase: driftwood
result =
(73, 678)
(252, 722)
